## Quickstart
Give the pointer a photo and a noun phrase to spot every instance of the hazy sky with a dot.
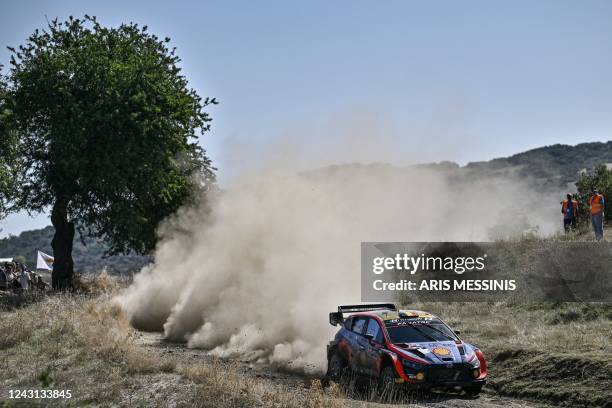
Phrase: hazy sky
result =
(399, 81)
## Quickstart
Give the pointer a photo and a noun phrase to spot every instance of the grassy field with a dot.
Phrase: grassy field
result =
(83, 343)
(557, 354)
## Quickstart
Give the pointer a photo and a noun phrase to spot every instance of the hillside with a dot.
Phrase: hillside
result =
(552, 166)
(555, 165)
(88, 255)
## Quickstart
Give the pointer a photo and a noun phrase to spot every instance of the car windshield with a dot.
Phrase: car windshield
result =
(419, 331)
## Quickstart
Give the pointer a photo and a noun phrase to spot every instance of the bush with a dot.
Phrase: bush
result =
(601, 178)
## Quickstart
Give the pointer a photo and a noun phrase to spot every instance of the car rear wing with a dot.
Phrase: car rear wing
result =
(336, 318)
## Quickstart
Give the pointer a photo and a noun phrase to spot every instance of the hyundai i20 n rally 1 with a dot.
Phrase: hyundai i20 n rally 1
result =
(411, 348)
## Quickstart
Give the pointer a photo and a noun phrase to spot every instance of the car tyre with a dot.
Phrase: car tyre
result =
(336, 368)
(386, 383)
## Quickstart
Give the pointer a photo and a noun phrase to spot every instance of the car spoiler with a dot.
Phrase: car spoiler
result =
(336, 318)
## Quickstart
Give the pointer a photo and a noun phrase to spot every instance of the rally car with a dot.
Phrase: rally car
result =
(408, 347)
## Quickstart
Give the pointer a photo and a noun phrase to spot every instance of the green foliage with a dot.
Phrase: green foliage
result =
(582, 204)
(601, 178)
(107, 128)
(45, 377)
(8, 151)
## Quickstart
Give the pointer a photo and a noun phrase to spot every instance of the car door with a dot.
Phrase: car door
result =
(375, 344)
(358, 345)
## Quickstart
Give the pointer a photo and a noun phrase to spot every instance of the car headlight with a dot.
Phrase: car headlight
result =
(411, 364)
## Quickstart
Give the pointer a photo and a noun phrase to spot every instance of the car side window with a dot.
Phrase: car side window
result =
(348, 323)
(374, 330)
(358, 324)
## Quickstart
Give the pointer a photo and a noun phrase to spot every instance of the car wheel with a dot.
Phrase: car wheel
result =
(386, 383)
(473, 391)
(336, 367)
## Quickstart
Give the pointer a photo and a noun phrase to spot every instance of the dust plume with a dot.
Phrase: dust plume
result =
(255, 275)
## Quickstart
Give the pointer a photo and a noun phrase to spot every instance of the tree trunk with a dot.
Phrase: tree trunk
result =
(63, 267)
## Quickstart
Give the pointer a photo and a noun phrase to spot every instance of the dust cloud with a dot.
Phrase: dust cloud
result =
(254, 275)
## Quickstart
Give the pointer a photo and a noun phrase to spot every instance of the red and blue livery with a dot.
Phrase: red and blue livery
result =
(408, 348)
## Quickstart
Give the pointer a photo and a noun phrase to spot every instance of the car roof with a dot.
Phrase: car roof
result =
(395, 314)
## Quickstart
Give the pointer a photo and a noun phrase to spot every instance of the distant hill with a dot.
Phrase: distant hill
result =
(551, 166)
(556, 165)
(87, 258)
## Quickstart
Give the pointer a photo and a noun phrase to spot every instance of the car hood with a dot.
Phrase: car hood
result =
(438, 352)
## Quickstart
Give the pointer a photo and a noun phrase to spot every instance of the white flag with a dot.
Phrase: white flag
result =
(44, 261)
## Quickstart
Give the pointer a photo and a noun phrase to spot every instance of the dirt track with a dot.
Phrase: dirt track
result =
(154, 343)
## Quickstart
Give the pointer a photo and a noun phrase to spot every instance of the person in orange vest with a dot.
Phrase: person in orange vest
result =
(569, 208)
(596, 209)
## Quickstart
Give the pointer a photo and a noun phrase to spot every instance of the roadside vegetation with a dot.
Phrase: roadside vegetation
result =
(84, 343)
(559, 353)
(556, 353)
(550, 353)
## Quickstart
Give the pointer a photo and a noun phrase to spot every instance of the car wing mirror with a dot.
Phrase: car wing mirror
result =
(457, 332)
(335, 318)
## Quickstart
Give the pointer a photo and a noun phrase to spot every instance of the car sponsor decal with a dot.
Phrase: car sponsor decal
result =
(387, 316)
(412, 320)
(407, 354)
(441, 351)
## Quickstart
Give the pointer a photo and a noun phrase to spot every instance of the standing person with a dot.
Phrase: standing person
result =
(596, 206)
(24, 279)
(10, 269)
(11, 275)
(569, 208)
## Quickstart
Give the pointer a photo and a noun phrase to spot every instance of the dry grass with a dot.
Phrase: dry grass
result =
(559, 327)
(560, 353)
(72, 342)
(86, 344)
(223, 385)
(552, 352)
(100, 283)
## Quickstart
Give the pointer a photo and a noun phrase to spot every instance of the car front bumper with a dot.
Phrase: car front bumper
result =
(438, 375)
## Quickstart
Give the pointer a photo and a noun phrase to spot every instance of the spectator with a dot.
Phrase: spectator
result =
(596, 205)
(569, 208)
(24, 279)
